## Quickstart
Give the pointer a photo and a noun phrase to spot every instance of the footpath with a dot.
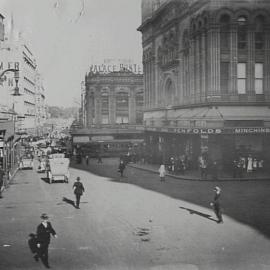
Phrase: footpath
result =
(194, 175)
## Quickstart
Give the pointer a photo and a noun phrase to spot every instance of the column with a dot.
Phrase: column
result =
(251, 66)
(191, 70)
(266, 87)
(233, 63)
(112, 106)
(89, 108)
(97, 108)
(132, 107)
(203, 66)
(197, 68)
(215, 62)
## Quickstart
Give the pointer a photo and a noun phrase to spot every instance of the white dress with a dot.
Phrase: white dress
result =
(249, 164)
(162, 171)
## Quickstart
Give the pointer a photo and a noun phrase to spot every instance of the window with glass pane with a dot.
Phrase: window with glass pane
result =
(105, 108)
(259, 78)
(241, 78)
(224, 77)
(122, 107)
(242, 32)
(225, 32)
(259, 29)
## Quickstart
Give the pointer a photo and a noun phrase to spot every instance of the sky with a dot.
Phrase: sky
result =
(68, 36)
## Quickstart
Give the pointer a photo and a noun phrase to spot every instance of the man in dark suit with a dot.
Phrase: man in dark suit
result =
(216, 204)
(44, 231)
(78, 191)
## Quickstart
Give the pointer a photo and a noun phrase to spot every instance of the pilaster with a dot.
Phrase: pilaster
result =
(251, 64)
(132, 107)
(233, 61)
(112, 107)
(266, 87)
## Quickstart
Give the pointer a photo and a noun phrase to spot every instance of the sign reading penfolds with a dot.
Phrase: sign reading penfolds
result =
(211, 131)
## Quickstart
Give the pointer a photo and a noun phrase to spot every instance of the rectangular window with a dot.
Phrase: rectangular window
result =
(259, 41)
(224, 77)
(241, 78)
(242, 39)
(259, 78)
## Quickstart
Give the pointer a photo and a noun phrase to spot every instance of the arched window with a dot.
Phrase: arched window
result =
(225, 32)
(259, 29)
(242, 32)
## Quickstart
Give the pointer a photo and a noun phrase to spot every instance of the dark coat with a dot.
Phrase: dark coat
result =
(216, 202)
(32, 243)
(79, 188)
(44, 234)
(122, 166)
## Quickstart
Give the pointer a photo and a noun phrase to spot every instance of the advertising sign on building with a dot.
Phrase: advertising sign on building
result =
(116, 65)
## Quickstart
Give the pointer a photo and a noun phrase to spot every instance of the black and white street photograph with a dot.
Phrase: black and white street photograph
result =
(134, 134)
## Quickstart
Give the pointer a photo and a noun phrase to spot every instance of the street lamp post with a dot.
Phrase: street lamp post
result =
(16, 77)
(9, 151)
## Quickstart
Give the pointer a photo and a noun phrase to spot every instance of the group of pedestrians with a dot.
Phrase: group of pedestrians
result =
(246, 164)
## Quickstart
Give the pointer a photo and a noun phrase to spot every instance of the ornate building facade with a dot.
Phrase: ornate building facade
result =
(207, 77)
(111, 113)
(113, 98)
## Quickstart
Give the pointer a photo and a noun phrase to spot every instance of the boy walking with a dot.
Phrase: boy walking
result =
(78, 191)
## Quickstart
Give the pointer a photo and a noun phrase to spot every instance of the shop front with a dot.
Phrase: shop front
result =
(220, 145)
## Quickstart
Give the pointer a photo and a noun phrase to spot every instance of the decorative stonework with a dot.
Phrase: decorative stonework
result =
(167, 53)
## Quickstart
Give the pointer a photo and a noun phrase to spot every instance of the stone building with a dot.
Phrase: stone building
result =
(112, 114)
(114, 98)
(207, 78)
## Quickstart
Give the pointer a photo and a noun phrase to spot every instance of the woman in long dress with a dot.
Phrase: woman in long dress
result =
(162, 172)
(249, 163)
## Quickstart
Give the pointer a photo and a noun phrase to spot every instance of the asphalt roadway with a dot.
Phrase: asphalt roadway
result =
(136, 222)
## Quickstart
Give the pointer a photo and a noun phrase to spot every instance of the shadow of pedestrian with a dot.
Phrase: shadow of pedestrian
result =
(199, 213)
(68, 201)
(45, 179)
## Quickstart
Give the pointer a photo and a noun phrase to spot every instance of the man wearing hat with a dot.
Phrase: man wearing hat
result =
(44, 231)
(216, 204)
(78, 191)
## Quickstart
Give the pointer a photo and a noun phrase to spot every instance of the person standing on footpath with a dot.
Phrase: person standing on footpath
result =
(78, 191)
(2, 173)
(87, 159)
(121, 167)
(162, 172)
(44, 232)
(216, 204)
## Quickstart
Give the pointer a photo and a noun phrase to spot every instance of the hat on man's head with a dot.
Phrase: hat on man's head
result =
(78, 178)
(218, 189)
(44, 216)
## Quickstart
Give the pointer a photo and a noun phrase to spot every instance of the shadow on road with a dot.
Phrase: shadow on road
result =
(45, 179)
(246, 202)
(68, 201)
(199, 214)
